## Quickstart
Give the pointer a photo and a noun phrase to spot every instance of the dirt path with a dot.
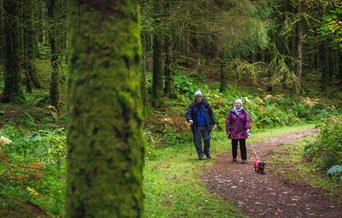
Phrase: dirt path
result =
(267, 195)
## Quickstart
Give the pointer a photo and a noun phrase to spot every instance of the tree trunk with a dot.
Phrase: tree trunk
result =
(143, 72)
(29, 41)
(169, 86)
(37, 26)
(329, 65)
(105, 139)
(1, 33)
(325, 65)
(28, 83)
(54, 81)
(145, 50)
(12, 91)
(223, 76)
(157, 83)
(340, 69)
(299, 44)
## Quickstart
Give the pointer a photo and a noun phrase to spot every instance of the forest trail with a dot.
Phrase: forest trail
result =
(268, 195)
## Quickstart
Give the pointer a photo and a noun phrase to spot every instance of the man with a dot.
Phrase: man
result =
(202, 120)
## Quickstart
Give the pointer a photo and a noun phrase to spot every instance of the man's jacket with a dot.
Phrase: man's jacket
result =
(191, 114)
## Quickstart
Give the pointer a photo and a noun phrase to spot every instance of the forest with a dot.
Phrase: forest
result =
(179, 108)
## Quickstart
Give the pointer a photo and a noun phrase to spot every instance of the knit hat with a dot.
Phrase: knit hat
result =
(198, 93)
(238, 101)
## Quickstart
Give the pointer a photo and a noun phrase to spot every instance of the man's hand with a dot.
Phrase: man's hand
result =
(191, 121)
(248, 132)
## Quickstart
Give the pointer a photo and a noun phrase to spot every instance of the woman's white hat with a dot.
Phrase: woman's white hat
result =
(238, 101)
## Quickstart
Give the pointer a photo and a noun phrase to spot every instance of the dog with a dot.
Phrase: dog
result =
(259, 166)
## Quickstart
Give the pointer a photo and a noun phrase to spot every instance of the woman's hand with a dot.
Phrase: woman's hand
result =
(228, 133)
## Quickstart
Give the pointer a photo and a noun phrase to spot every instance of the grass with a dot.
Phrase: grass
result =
(32, 169)
(287, 162)
(173, 184)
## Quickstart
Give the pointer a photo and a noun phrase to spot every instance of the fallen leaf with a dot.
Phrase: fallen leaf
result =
(4, 141)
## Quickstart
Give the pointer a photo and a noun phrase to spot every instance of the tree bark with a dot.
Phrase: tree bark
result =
(29, 42)
(299, 44)
(105, 152)
(143, 72)
(157, 80)
(340, 69)
(12, 90)
(1, 33)
(325, 66)
(223, 76)
(145, 50)
(55, 63)
(169, 86)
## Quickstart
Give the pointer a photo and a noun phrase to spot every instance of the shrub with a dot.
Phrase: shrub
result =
(327, 150)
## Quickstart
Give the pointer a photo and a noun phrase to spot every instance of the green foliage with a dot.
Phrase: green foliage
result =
(266, 110)
(327, 150)
(32, 168)
(279, 69)
(184, 86)
(44, 51)
(244, 69)
(332, 27)
(42, 100)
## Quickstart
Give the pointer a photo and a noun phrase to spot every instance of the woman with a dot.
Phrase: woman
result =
(238, 126)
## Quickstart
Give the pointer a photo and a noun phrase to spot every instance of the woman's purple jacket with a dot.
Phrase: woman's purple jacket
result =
(237, 125)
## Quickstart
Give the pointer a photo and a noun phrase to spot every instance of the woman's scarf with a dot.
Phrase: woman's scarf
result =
(237, 111)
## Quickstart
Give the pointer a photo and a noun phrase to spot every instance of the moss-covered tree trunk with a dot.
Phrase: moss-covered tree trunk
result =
(54, 81)
(105, 140)
(12, 91)
(29, 44)
(157, 78)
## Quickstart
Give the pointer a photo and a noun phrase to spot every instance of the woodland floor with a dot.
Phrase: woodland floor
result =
(268, 195)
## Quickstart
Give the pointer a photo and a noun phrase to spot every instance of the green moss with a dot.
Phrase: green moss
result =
(105, 141)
